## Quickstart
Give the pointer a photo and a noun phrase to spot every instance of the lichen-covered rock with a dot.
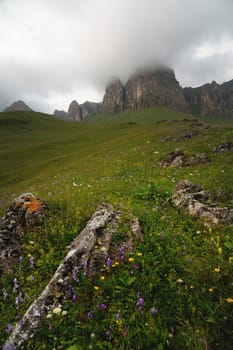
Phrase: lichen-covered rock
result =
(198, 204)
(190, 134)
(25, 212)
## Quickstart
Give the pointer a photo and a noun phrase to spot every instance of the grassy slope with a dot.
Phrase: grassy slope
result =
(75, 167)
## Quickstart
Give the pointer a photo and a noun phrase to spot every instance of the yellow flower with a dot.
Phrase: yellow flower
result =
(217, 269)
(211, 290)
(191, 287)
(57, 310)
(102, 278)
(231, 258)
(220, 251)
(229, 300)
(139, 254)
(131, 259)
(96, 287)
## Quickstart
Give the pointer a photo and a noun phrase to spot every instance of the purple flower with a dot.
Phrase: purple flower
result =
(37, 313)
(31, 260)
(135, 266)
(102, 306)
(118, 315)
(140, 302)
(8, 346)
(109, 262)
(121, 252)
(90, 314)
(9, 328)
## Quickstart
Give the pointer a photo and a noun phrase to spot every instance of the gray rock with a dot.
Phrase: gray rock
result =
(75, 111)
(223, 147)
(18, 106)
(198, 204)
(114, 98)
(61, 114)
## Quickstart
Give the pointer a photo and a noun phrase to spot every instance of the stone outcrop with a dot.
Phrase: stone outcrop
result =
(18, 106)
(211, 99)
(178, 158)
(88, 251)
(224, 146)
(25, 212)
(61, 114)
(198, 203)
(90, 108)
(114, 98)
(75, 111)
(152, 88)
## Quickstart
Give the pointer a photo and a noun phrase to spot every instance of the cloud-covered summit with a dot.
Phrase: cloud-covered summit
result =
(55, 51)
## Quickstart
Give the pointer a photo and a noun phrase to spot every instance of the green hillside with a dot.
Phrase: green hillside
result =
(75, 167)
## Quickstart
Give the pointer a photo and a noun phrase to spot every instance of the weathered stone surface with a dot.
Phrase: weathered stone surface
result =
(151, 88)
(89, 249)
(190, 134)
(211, 99)
(25, 211)
(114, 98)
(90, 108)
(223, 147)
(178, 158)
(17, 106)
(75, 111)
(61, 115)
(198, 204)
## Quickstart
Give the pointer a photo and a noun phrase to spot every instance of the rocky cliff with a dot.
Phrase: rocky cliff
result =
(211, 99)
(114, 98)
(17, 106)
(78, 112)
(75, 111)
(151, 88)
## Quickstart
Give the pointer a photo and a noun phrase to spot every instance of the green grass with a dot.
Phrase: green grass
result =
(180, 269)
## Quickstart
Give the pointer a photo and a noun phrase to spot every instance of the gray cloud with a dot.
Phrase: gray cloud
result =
(54, 51)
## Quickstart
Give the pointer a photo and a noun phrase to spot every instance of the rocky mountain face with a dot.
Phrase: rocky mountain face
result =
(114, 98)
(158, 87)
(17, 106)
(78, 112)
(75, 111)
(211, 99)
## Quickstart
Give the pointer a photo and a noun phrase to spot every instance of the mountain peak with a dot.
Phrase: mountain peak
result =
(18, 106)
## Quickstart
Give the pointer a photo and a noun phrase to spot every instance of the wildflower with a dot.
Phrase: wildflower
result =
(229, 300)
(211, 290)
(217, 269)
(96, 287)
(4, 293)
(140, 302)
(31, 260)
(15, 285)
(102, 278)
(131, 259)
(180, 280)
(153, 310)
(135, 266)
(139, 254)
(57, 310)
(121, 252)
(124, 333)
(220, 251)
(102, 306)
(9, 346)
(64, 313)
(37, 313)
(92, 335)
(231, 258)
(90, 314)
(9, 328)
(118, 315)
(49, 316)
(109, 262)
(191, 286)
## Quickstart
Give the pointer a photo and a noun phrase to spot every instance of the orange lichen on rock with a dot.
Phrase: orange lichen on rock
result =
(33, 206)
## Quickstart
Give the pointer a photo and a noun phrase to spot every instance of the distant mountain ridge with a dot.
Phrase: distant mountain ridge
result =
(18, 106)
(78, 112)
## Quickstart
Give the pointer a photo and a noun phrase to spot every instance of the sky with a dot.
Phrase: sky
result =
(55, 51)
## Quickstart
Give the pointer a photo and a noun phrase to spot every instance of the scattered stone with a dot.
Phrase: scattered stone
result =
(25, 212)
(223, 147)
(178, 158)
(89, 250)
(188, 135)
(167, 139)
(198, 204)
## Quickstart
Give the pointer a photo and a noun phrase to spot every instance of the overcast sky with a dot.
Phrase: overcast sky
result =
(54, 51)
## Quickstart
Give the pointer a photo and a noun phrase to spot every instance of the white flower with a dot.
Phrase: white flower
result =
(64, 313)
(57, 310)
(49, 316)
